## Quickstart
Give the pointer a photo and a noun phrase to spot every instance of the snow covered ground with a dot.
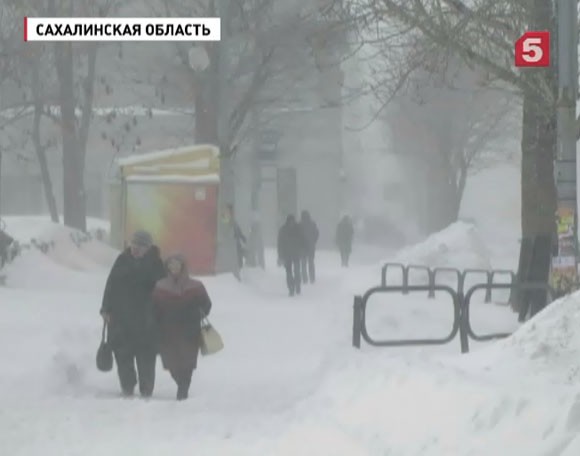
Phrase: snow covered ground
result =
(288, 382)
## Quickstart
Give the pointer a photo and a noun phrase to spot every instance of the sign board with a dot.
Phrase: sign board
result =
(564, 273)
(532, 49)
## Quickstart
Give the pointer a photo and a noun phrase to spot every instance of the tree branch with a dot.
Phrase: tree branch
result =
(449, 35)
(239, 113)
(89, 93)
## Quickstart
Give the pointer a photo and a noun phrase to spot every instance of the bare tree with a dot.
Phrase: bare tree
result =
(40, 146)
(74, 69)
(257, 36)
(75, 91)
(10, 112)
(483, 34)
(451, 125)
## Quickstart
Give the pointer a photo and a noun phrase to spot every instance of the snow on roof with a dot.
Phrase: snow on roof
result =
(202, 163)
(136, 159)
(176, 179)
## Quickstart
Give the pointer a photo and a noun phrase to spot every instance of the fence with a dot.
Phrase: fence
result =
(460, 299)
(433, 273)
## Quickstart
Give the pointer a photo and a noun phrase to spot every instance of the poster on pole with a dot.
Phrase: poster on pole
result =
(564, 276)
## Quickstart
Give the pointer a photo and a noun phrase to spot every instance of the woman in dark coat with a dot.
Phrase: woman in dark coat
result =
(180, 303)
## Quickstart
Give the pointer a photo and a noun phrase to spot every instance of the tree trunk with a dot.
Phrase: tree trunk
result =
(44, 169)
(39, 148)
(1, 155)
(74, 203)
(444, 197)
(205, 114)
(537, 184)
(538, 188)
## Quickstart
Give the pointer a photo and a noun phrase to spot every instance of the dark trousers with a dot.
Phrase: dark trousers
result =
(293, 278)
(308, 268)
(182, 378)
(144, 357)
(344, 257)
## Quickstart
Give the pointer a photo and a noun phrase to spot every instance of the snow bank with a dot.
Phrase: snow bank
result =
(410, 404)
(69, 255)
(25, 228)
(459, 246)
(414, 407)
(546, 348)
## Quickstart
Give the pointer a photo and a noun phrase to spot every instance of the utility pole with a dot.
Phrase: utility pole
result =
(565, 264)
(226, 250)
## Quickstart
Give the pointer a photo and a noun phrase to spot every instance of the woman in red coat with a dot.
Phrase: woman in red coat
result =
(180, 303)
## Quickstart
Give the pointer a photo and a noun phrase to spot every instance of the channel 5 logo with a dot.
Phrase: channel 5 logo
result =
(532, 49)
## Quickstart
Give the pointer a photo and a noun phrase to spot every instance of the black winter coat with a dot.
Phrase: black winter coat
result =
(291, 242)
(128, 297)
(344, 235)
(310, 231)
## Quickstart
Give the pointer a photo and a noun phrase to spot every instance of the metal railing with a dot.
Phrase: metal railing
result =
(360, 325)
(461, 302)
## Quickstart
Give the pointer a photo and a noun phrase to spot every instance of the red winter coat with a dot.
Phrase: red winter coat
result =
(179, 306)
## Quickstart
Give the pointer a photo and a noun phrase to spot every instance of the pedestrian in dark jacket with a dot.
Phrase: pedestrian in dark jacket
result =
(291, 246)
(180, 303)
(310, 232)
(127, 308)
(344, 236)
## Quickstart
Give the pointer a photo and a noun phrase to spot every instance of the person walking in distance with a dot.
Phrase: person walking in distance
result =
(180, 303)
(291, 246)
(344, 237)
(310, 232)
(128, 311)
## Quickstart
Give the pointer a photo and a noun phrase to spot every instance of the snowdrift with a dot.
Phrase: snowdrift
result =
(459, 246)
(515, 397)
(545, 348)
(51, 252)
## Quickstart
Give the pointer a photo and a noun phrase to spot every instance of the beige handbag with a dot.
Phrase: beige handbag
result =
(211, 341)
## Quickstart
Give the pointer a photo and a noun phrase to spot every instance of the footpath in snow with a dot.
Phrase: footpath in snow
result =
(288, 381)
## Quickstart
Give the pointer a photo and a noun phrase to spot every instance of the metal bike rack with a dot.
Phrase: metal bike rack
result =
(457, 272)
(359, 317)
(385, 270)
(488, 277)
(422, 268)
(466, 322)
(513, 280)
(461, 302)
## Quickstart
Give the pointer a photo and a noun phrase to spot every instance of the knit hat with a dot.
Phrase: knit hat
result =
(142, 238)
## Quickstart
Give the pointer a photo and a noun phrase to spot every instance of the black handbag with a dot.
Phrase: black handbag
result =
(104, 353)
